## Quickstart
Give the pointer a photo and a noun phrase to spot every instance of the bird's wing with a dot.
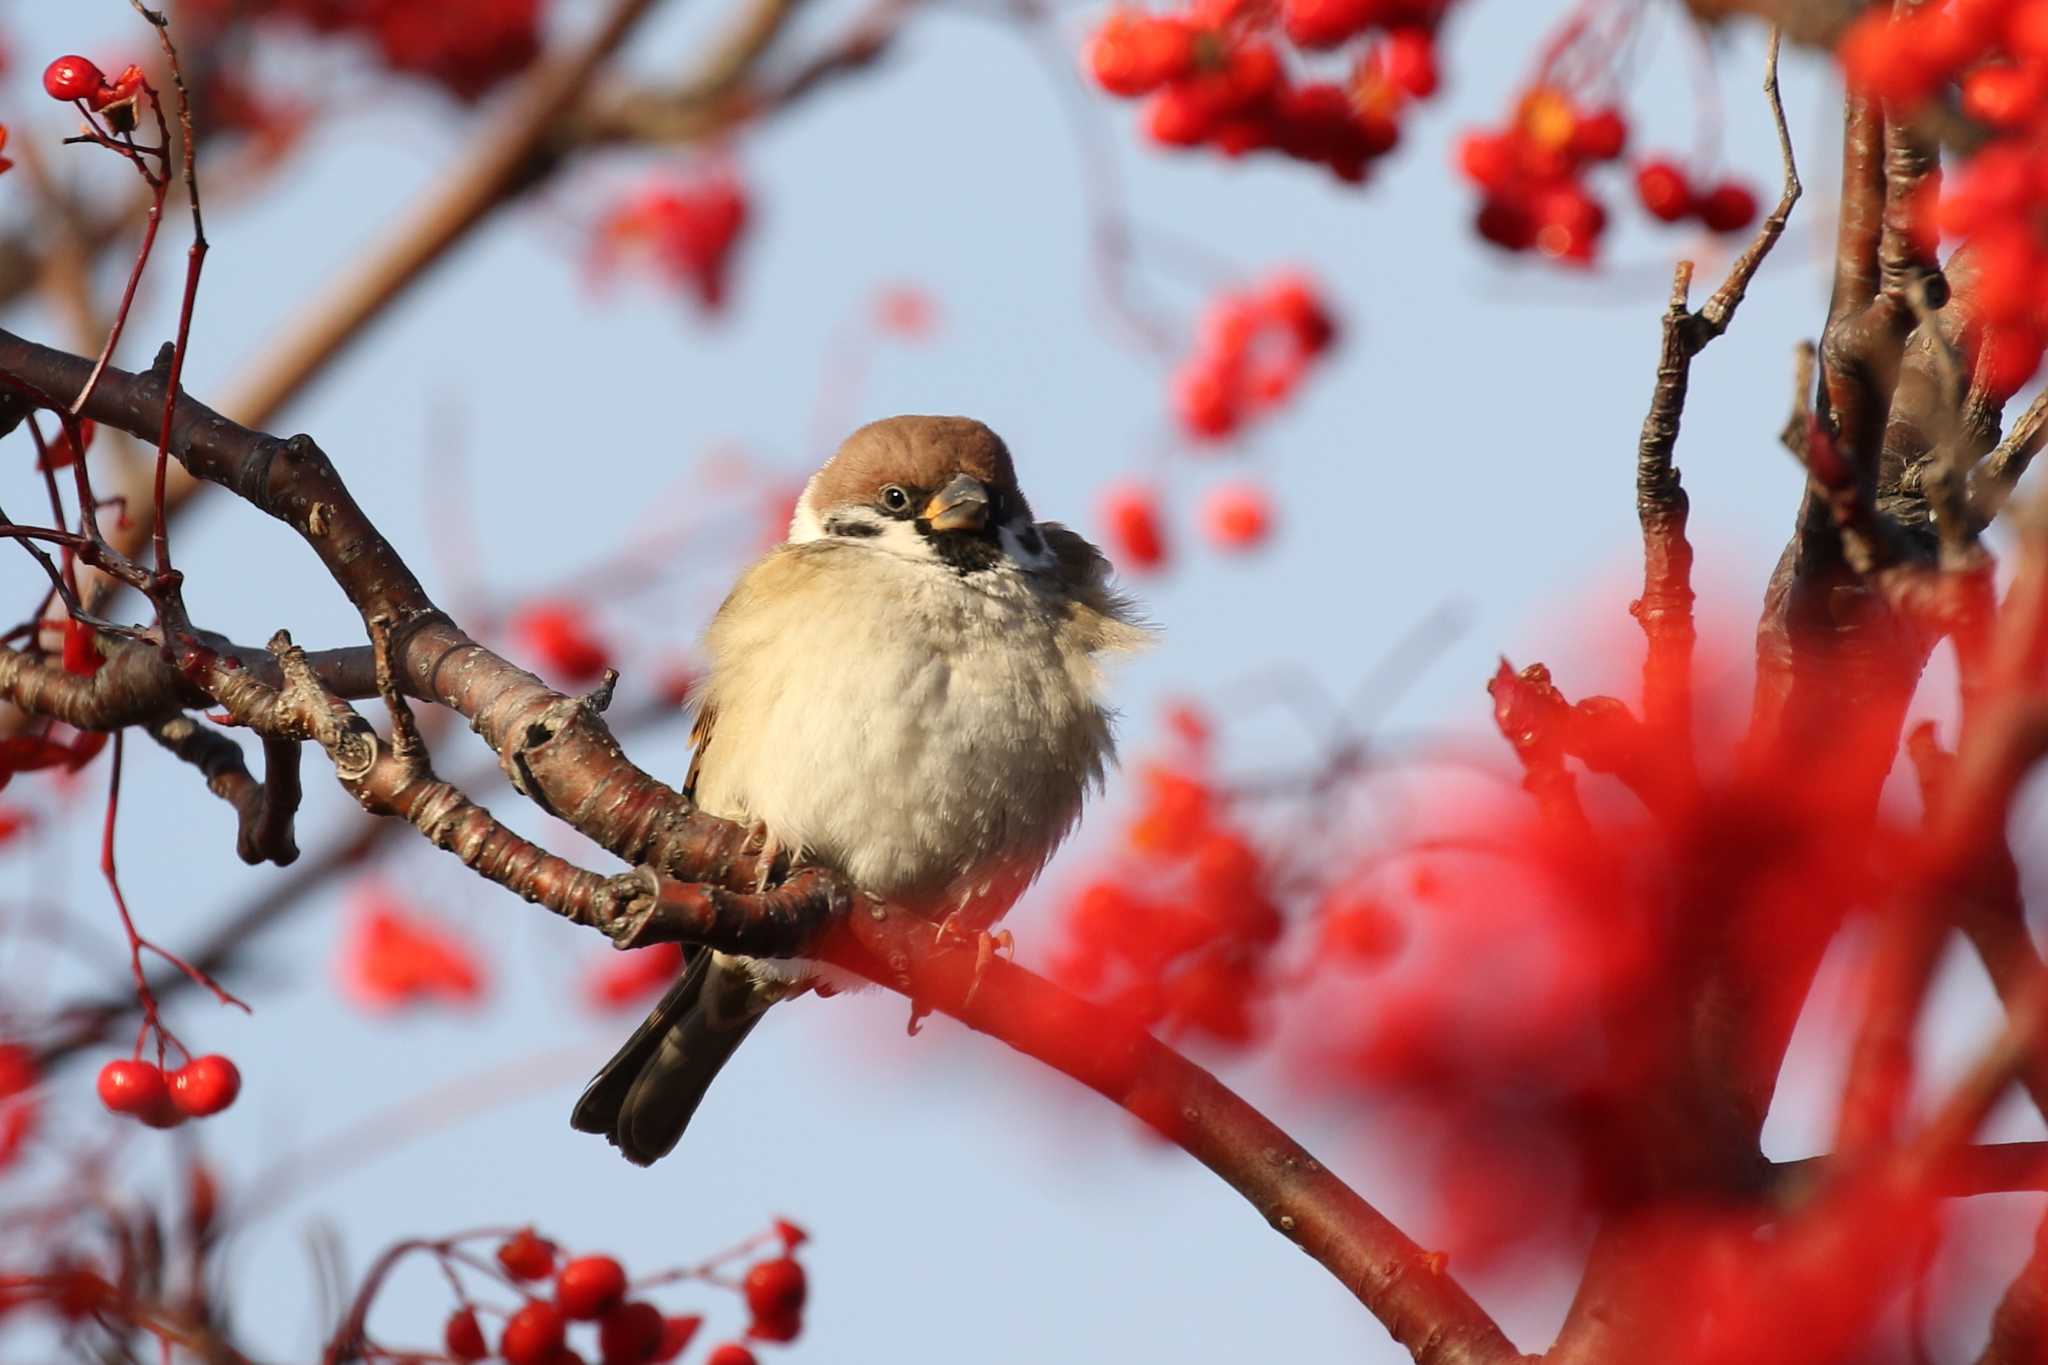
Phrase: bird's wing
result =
(700, 740)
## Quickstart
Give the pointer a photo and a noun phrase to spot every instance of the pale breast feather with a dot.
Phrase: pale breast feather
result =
(921, 734)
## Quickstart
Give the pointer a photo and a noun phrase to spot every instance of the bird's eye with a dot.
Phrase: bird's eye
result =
(894, 498)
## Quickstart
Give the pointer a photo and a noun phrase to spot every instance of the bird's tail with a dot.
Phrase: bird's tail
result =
(644, 1096)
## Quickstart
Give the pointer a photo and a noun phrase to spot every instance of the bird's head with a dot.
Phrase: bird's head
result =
(938, 489)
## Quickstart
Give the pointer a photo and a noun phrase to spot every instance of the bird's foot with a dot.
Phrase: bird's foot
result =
(761, 843)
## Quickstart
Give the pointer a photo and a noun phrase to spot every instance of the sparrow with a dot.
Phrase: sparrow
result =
(907, 691)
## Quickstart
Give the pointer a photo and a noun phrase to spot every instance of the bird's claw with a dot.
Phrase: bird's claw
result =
(987, 948)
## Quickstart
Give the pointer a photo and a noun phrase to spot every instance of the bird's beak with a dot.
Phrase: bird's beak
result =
(961, 505)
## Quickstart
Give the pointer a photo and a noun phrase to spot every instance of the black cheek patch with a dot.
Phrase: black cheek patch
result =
(1033, 543)
(853, 530)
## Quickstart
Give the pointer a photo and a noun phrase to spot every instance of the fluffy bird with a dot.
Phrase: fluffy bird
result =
(907, 691)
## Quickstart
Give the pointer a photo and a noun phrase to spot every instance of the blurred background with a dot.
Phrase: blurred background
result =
(1453, 484)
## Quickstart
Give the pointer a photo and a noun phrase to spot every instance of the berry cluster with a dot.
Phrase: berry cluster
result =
(1251, 351)
(164, 1099)
(1181, 935)
(630, 1331)
(395, 956)
(1532, 177)
(687, 228)
(1998, 202)
(1215, 75)
(465, 46)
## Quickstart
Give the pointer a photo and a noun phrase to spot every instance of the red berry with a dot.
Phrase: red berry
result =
(559, 632)
(2001, 95)
(1663, 189)
(1409, 60)
(776, 1289)
(785, 1328)
(1600, 135)
(1205, 400)
(139, 1090)
(1324, 23)
(205, 1085)
(1131, 512)
(1728, 207)
(630, 1334)
(533, 1336)
(1135, 54)
(1486, 159)
(1182, 115)
(1237, 516)
(527, 1256)
(463, 1337)
(72, 78)
(590, 1286)
(676, 1334)
(1505, 221)
(732, 1353)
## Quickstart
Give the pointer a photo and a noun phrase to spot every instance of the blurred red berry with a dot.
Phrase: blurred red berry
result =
(560, 633)
(1409, 61)
(205, 1085)
(731, 1353)
(621, 979)
(2003, 96)
(1728, 207)
(533, 1335)
(527, 1256)
(1506, 222)
(1664, 191)
(589, 1287)
(1324, 23)
(775, 1289)
(1237, 516)
(463, 1337)
(1130, 514)
(1487, 159)
(630, 1334)
(1600, 135)
(1134, 54)
(394, 955)
(72, 78)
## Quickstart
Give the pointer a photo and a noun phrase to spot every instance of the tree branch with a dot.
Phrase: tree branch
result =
(557, 751)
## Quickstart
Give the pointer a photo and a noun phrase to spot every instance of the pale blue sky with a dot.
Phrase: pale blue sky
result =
(1470, 445)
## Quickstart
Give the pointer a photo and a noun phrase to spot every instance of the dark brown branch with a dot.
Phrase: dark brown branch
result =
(263, 810)
(1989, 1168)
(1665, 608)
(1994, 480)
